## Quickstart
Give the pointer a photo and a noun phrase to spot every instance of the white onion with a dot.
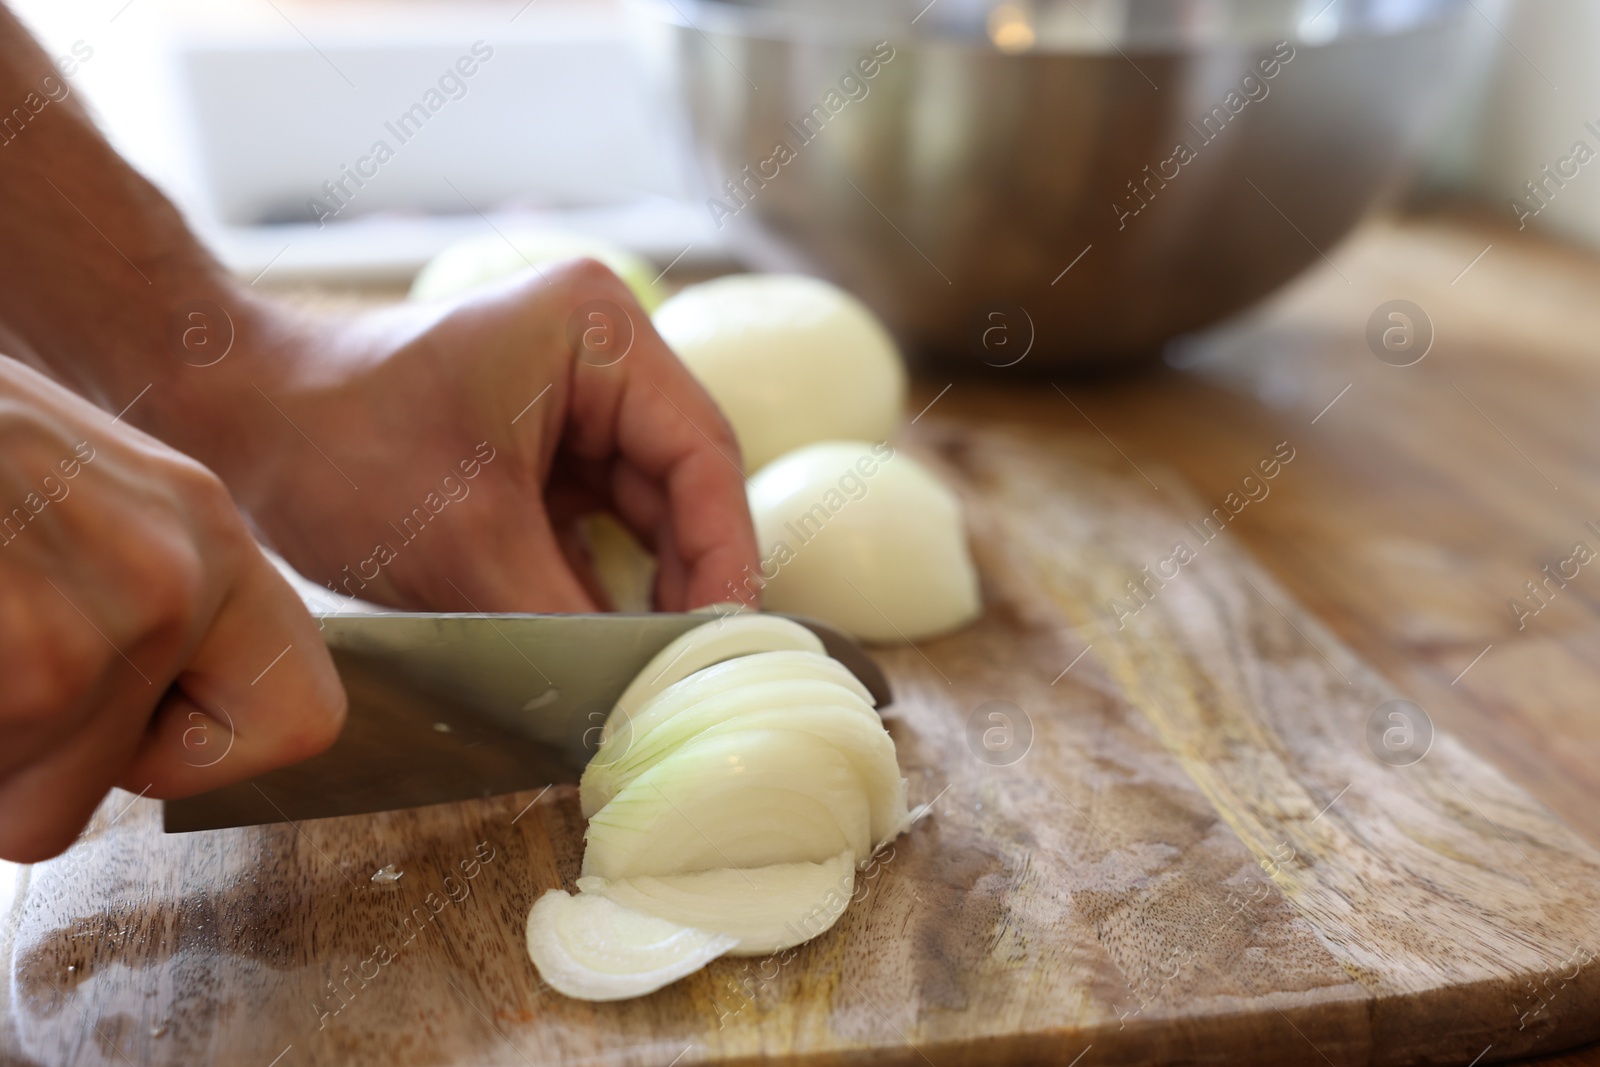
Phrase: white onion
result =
(789, 360)
(727, 815)
(709, 699)
(703, 646)
(474, 261)
(592, 948)
(767, 909)
(745, 800)
(865, 538)
(624, 568)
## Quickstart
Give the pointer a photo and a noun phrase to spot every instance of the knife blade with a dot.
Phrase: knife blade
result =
(450, 707)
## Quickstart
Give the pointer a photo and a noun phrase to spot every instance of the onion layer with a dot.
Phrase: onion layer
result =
(592, 948)
(767, 909)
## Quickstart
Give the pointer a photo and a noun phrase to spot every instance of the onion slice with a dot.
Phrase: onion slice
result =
(743, 799)
(721, 639)
(593, 948)
(766, 908)
(716, 695)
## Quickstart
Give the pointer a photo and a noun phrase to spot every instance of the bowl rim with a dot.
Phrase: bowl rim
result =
(1103, 26)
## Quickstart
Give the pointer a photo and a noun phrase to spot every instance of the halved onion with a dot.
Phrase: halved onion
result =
(789, 359)
(863, 537)
(476, 261)
(622, 566)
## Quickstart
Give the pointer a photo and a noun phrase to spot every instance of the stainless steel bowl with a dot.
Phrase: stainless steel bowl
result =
(1000, 178)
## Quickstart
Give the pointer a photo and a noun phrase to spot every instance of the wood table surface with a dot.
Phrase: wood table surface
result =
(1426, 496)
(1420, 501)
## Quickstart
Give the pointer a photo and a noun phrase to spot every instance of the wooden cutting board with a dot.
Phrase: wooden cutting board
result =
(1177, 842)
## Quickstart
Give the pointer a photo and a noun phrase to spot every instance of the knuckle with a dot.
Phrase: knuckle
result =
(51, 667)
(169, 585)
(587, 269)
(583, 278)
(721, 431)
(205, 497)
(320, 706)
(178, 570)
(30, 427)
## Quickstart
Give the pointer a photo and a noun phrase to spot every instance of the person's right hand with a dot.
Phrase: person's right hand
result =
(144, 639)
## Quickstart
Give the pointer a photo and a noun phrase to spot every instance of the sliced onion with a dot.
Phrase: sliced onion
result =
(744, 799)
(623, 727)
(728, 817)
(854, 732)
(766, 908)
(723, 639)
(712, 696)
(601, 783)
(593, 948)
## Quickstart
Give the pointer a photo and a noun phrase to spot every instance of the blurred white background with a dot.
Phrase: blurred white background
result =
(242, 110)
(1529, 113)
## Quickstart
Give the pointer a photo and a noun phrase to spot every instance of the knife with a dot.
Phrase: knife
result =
(450, 707)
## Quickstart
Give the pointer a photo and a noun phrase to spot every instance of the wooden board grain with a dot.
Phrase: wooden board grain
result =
(1199, 858)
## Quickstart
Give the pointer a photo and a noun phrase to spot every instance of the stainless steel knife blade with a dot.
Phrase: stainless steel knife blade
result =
(452, 707)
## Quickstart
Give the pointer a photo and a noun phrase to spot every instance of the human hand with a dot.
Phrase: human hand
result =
(437, 457)
(144, 640)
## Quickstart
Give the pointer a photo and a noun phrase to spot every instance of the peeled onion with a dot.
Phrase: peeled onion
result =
(703, 646)
(741, 779)
(593, 948)
(476, 261)
(712, 697)
(766, 908)
(768, 796)
(789, 360)
(625, 570)
(864, 538)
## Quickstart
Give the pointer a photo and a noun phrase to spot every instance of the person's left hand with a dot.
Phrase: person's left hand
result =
(436, 458)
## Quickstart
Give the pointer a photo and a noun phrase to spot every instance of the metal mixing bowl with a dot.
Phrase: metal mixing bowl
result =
(1010, 180)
